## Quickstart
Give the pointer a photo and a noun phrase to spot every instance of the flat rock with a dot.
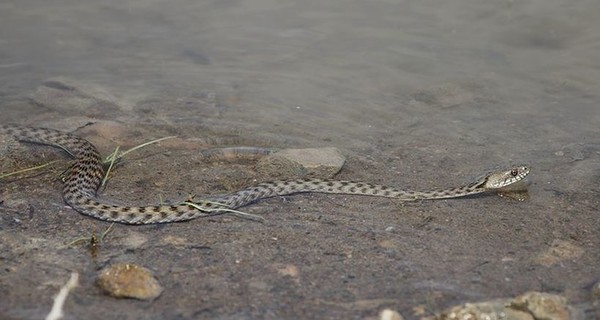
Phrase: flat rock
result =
(67, 95)
(558, 252)
(301, 163)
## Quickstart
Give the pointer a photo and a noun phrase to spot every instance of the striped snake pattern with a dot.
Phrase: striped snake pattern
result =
(84, 177)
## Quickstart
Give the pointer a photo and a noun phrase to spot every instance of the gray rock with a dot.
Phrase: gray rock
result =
(300, 163)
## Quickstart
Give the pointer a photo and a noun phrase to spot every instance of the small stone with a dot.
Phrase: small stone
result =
(389, 314)
(134, 240)
(387, 244)
(596, 290)
(445, 95)
(175, 240)
(288, 270)
(298, 163)
(126, 280)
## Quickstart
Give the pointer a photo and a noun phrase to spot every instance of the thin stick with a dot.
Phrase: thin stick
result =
(56, 312)
(236, 213)
(90, 239)
(105, 233)
(114, 157)
(122, 154)
(4, 175)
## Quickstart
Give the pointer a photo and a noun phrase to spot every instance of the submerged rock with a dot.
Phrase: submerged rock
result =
(559, 252)
(300, 163)
(68, 95)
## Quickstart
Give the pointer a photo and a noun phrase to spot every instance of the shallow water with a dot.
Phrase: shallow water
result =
(416, 93)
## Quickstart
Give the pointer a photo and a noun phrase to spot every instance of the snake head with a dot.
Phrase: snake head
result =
(504, 178)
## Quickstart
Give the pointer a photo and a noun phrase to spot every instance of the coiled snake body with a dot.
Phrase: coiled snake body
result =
(84, 177)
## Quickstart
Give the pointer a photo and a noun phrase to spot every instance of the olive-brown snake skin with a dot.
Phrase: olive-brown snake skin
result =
(84, 177)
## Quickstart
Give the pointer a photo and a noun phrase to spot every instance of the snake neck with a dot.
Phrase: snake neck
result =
(288, 187)
(448, 193)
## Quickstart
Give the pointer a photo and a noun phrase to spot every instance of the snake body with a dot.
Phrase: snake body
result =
(84, 177)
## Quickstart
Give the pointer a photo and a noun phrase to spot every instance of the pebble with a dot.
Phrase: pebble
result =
(389, 314)
(125, 280)
(596, 290)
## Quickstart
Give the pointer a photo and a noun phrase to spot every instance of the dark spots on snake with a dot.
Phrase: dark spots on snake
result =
(147, 216)
(84, 176)
(114, 214)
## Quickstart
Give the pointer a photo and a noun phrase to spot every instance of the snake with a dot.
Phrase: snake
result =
(83, 179)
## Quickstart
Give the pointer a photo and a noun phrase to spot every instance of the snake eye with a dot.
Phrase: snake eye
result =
(514, 172)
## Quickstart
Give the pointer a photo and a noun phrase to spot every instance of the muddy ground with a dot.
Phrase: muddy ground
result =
(415, 94)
